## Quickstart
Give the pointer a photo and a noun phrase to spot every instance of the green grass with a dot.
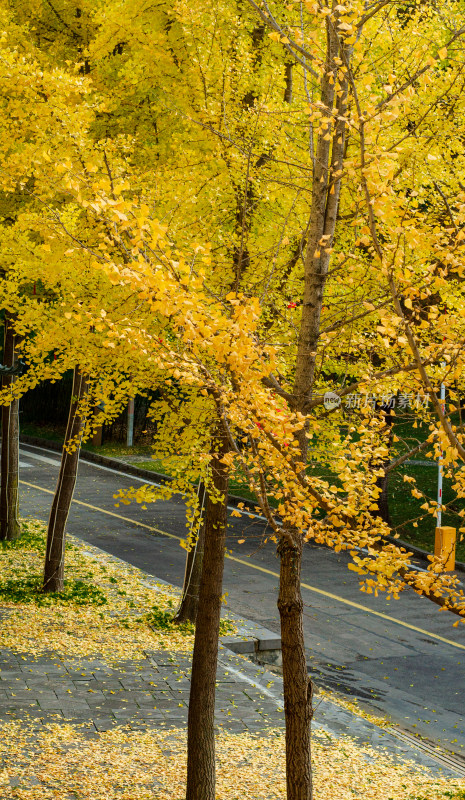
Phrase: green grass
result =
(52, 432)
(119, 449)
(29, 590)
(33, 537)
(162, 619)
(112, 449)
(406, 510)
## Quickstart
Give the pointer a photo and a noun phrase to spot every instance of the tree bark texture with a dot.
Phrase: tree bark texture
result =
(383, 499)
(382, 481)
(327, 171)
(201, 777)
(56, 532)
(326, 189)
(188, 607)
(298, 708)
(9, 525)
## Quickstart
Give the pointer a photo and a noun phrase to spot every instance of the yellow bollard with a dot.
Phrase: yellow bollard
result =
(444, 546)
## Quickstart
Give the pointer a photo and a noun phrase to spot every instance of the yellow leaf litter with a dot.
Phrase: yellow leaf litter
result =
(59, 761)
(56, 761)
(111, 631)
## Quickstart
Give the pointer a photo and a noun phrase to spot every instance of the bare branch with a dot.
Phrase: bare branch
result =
(446, 203)
(402, 459)
(271, 383)
(290, 46)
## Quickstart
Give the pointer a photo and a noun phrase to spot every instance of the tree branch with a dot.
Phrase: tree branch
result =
(291, 45)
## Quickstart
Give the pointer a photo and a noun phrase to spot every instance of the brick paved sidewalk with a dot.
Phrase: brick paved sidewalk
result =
(153, 693)
(141, 694)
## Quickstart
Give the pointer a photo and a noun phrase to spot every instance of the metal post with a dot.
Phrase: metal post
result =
(440, 463)
(130, 431)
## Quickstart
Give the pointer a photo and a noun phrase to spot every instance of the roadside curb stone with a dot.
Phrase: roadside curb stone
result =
(148, 475)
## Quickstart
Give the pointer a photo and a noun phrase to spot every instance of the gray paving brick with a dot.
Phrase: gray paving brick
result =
(124, 713)
(105, 725)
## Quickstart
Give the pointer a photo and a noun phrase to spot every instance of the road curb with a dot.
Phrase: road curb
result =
(251, 639)
(159, 477)
(123, 466)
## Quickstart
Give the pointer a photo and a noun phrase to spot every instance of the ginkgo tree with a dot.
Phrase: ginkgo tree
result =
(49, 289)
(34, 127)
(216, 348)
(350, 258)
(374, 153)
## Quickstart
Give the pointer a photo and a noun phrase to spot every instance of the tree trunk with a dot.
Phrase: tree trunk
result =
(9, 525)
(56, 532)
(201, 777)
(326, 189)
(326, 186)
(383, 499)
(298, 708)
(382, 482)
(187, 611)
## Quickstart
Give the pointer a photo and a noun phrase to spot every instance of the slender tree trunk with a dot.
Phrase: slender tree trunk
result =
(297, 686)
(327, 171)
(289, 82)
(200, 732)
(56, 533)
(383, 499)
(383, 481)
(298, 708)
(187, 611)
(9, 525)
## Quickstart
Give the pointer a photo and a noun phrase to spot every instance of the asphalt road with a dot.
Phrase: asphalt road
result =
(401, 657)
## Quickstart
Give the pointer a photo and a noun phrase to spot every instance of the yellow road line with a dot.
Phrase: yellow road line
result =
(355, 605)
(110, 513)
(249, 564)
